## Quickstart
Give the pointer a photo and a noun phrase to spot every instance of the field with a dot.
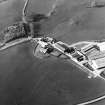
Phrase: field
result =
(26, 80)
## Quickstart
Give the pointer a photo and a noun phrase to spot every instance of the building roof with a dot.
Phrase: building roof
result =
(99, 63)
(102, 46)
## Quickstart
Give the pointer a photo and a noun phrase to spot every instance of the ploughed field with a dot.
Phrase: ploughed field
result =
(26, 80)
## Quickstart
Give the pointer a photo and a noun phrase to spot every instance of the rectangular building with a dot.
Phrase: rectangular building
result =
(99, 63)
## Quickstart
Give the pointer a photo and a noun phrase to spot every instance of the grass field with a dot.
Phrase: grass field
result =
(26, 80)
